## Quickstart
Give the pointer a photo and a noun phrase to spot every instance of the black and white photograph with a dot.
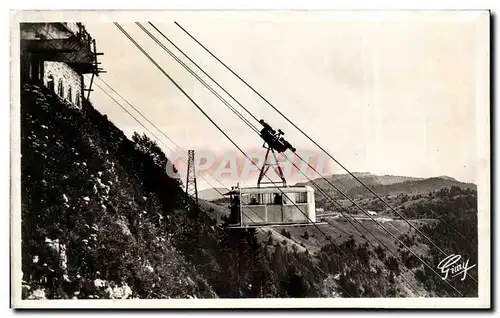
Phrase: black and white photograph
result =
(250, 159)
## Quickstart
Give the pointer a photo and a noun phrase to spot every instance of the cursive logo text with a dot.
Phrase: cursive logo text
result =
(451, 265)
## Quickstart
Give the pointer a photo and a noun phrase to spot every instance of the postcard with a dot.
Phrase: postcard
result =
(250, 159)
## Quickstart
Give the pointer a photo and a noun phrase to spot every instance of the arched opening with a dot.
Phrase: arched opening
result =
(60, 88)
(70, 97)
(77, 99)
(36, 69)
(50, 82)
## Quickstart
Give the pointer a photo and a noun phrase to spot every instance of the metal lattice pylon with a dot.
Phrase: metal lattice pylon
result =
(191, 188)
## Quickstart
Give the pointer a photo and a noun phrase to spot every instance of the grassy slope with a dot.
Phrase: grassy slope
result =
(90, 227)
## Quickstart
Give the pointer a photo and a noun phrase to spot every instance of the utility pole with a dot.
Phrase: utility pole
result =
(191, 188)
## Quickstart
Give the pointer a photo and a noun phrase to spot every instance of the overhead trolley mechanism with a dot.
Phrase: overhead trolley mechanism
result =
(273, 142)
(275, 204)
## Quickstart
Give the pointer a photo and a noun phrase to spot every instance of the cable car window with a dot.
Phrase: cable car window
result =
(266, 198)
(254, 199)
(247, 199)
(301, 197)
(278, 199)
(287, 199)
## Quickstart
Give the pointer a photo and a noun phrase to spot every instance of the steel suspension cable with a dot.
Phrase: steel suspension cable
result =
(154, 135)
(225, 102)
(156, 127)
(212, 79)
(232, 109)
(203, 71)
(196, 76)
(183, 263)
(201, 80)
(303, 267)
(314, 142)
(140, 113)
(118, 103)
(321, 190)
(365, 237)
(263, 228)
(376, 221)
(217, 126)
(364, 211)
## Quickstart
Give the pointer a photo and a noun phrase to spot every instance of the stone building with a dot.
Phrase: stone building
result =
(58, 55)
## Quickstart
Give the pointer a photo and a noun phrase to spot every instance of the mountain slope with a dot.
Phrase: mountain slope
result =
(102, 219)
(91, 227)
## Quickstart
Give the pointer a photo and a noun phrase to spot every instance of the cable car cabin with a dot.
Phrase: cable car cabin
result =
(272, 206)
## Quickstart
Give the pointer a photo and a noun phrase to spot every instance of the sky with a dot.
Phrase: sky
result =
(394, 95)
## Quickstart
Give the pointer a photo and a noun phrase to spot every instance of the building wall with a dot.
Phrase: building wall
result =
(35, 31)
(64, 42)
(70, 79)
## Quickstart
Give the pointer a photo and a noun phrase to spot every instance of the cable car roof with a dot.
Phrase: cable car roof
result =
(249, 190)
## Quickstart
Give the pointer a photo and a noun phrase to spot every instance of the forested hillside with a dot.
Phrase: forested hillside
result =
(101, 219)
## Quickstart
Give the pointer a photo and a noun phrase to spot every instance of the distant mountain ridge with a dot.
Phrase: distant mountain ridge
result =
(413, 187)
(366, 177)
(211, 194)
(388, 184)
(381, 184)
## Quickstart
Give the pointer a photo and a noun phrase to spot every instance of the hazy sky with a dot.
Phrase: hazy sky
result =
(393, 95)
